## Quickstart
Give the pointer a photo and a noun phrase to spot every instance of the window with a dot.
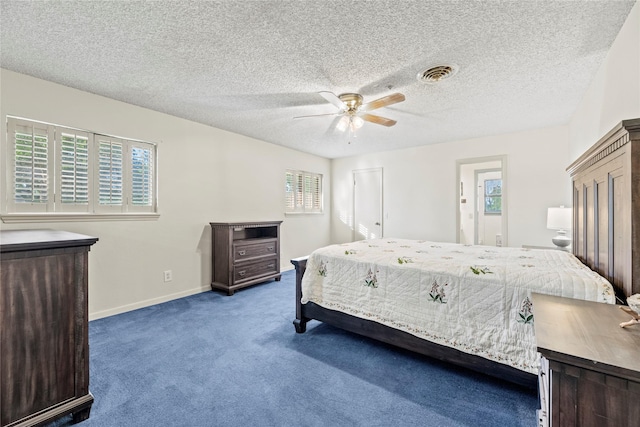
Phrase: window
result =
(32, 158)
(110, 170)
(493, 196)
(55, 169)
(303, 192)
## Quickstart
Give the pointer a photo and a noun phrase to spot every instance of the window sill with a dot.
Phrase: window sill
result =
(303, 213)
(75, 217)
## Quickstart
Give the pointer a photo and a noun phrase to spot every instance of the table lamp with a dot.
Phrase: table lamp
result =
(559, 218)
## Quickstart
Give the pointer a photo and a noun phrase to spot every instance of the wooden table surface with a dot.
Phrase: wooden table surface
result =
(587, 333)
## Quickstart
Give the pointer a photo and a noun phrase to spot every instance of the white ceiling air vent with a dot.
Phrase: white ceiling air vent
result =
(437, 73)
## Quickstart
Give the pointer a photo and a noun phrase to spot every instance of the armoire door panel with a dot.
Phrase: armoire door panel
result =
(619, 251)
(589, 224)
(602, 231)
(578, 200)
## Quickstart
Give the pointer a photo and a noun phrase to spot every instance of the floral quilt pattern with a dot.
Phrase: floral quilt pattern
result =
(473, 298)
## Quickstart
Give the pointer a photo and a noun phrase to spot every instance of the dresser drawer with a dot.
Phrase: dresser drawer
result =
(254, 270)
(246, 251)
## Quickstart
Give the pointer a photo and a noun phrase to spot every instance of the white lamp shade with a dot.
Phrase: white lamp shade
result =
(559, 218)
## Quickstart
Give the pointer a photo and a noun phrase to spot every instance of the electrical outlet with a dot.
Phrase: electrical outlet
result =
(168, 276)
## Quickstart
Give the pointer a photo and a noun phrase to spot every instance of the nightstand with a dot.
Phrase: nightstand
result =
(590, 373)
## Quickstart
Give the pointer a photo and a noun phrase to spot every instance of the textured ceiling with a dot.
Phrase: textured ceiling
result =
(251, 66)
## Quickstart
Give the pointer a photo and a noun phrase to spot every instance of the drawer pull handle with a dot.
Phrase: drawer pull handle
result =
(271, 265)
(241, 273)
(269, 248)
(241, 253)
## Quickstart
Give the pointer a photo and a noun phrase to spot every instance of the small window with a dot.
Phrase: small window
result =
(303, 192)
(493, 196)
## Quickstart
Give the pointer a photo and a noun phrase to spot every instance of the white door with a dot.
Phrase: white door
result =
(367, 204)
(488, 219)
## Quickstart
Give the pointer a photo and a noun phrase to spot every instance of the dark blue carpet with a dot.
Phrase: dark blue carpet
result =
(214, 360)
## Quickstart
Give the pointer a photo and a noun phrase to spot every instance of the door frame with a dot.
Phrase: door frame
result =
(503, 162)
(353, 202)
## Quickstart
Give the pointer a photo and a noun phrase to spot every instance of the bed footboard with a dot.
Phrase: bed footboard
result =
(300, 265)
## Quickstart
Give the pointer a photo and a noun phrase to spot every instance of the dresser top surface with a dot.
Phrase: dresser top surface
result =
(586, 330)
(22, 240)
(245, 224)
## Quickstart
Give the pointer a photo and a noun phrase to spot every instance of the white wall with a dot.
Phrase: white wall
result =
(421, 195)
(614, 94)
(205, 175)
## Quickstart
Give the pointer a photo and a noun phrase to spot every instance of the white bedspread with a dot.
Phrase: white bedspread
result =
(473, 298)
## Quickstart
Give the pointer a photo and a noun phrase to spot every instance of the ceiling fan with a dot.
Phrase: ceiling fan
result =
(353, 112)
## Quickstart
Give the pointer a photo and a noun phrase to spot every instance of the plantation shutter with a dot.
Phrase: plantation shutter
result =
(110, 173)
(73, 170)
(62, 170)
(316, 193)
(299, 192)
(33, 147)
(142, 173)
(303, 192)
(290, 191)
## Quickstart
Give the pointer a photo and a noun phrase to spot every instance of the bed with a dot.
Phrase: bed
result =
(470, 306)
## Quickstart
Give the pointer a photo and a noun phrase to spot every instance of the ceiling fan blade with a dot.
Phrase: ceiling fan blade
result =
(377, 120)
(333, 98)
(317, 115)
(382, 102)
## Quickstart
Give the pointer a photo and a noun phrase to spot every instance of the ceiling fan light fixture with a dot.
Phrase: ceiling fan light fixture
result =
(437, 73)
(357, 122)
(354, 113)
(343, 123)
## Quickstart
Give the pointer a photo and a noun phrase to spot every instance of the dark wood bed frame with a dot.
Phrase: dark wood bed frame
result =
(606, 236)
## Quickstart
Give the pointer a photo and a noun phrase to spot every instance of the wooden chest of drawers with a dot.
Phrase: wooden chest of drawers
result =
(244, 253)
(44, 327)
(590, 374)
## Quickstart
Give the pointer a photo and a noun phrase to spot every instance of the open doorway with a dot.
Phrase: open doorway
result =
(482, 209)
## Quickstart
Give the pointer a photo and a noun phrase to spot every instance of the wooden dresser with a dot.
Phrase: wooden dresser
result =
(44, 345)
(244, 253)
(590, 374)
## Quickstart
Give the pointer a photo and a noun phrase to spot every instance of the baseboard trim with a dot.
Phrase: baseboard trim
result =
(153, 301)
(146, 303)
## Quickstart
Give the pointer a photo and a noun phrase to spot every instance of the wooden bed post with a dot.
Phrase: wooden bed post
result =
(301, 322)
